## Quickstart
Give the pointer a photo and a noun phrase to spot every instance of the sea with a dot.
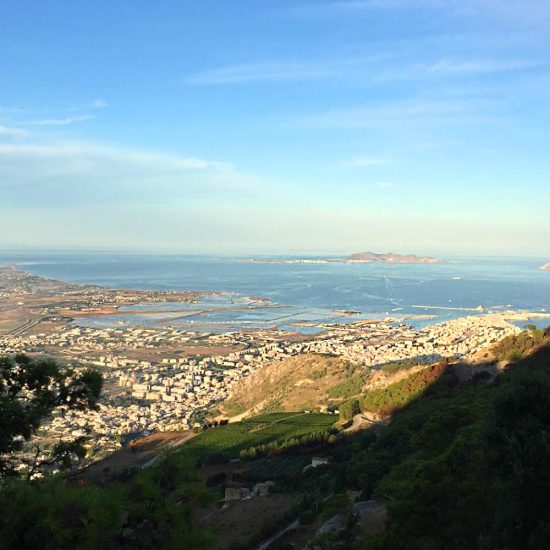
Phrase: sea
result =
(300, 295)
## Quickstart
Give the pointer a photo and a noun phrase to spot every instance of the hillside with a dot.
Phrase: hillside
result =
(298, 383)
(464, 463)
(313, 382)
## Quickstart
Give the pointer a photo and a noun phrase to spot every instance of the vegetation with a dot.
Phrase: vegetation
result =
(153, 510)
(515, 347)
(460, 466)
(349, 409)
(386, 400)
(303, 382)
(348, 388)
(395, 366)
(299, 441)
(277, 430)
(30, 390)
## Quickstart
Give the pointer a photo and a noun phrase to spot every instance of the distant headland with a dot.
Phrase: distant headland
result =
(546, 267)
(358, 257)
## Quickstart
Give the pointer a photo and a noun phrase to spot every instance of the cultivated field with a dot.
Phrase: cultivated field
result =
(266, 429)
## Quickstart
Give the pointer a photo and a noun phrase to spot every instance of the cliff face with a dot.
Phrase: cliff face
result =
(390, 257)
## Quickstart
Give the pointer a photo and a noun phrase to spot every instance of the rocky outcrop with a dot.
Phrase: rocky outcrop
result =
(233, 494)
(372, 515)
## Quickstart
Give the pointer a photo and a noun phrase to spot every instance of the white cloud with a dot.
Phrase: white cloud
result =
(368, 71)
(416, 111)
(11, 132)
(85, 172)
(99, 104)
(86, 150)
(258, 72)
(451, 68)
(59, 121)
(478, 66)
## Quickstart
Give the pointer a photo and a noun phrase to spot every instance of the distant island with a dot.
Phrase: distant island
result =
(358, 257)
(546, 267)
(390, 257)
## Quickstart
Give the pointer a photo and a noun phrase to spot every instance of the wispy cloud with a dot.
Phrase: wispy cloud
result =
(354, 7)
(419, 111)
(369, 5)
(93, 151)
(99, 103)
(365, 71)
(59, 121)
(281, 71)
(470, 67)
(11, 132)
(258, 72)
(87, 172)
(516, 13)
(363, 162)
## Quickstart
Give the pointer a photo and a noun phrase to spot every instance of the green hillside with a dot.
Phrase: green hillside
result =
(461, 465)
(276, 430)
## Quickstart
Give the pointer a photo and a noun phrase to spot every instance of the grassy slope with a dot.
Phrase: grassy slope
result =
(297, 383)
(266, 429)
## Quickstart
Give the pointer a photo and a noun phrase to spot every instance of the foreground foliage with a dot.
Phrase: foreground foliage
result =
(462, 465)
(30, 389)
(154, 510)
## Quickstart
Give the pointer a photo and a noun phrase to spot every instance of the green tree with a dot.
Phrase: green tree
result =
(30, 390)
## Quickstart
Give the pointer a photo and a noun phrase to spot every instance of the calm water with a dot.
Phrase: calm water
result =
(311, 292)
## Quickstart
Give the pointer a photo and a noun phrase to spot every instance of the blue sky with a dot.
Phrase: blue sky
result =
(276, 126)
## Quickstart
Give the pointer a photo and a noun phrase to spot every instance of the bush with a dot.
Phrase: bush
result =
(517, 346)
(385, 401)
(349, 409)
(350, 387)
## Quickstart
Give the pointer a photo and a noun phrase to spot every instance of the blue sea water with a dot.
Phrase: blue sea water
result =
(311, 292)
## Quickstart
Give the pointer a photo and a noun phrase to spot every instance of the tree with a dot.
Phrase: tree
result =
(30, 390)
(349, 409)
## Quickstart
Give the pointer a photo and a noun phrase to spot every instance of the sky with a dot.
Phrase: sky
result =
(276, 126)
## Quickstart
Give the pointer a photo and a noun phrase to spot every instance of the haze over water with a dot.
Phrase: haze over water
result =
(313, 291)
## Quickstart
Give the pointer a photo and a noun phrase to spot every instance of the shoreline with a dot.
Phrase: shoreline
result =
(68, 302)
(160, 378)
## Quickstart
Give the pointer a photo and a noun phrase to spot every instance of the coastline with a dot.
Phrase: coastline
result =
(161, 377)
